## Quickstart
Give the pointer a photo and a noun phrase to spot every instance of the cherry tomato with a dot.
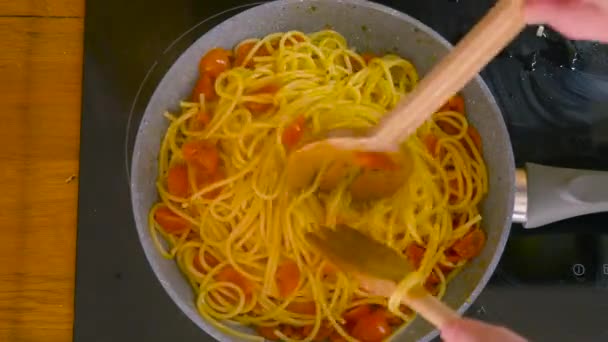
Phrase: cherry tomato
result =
(415, 253)
(294, 132)
(368, 56)
(454, 104)
(372, 328)
(204, 85)
(170, 221)
(230, 275)
(201, 154)
(471, 244)
(177, 180)
(268, 333)
(215, 62)
(474, 134)
(287, 278)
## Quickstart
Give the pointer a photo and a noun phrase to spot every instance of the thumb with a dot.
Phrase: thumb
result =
(468, 330)
(577, 19)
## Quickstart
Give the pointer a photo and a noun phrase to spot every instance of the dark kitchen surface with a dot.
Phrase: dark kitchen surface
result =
(552, 283)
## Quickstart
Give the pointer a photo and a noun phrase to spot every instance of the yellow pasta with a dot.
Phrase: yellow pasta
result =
(237, 231)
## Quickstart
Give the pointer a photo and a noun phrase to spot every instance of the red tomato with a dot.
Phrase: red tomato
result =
(430, 142)
(287, 278)
(454, 104)
(210, 260)
(357, 313)
(372, 328)
(375, 161)
(268, 333)
(200, 120)
(415, 253)
(294, 132)
(243, 50)
(201, 154)
(204, 179)
(368, 56)
(257, 108)
(215, 62)
(170, 221)
(230, 275)
(474, 134)
(471, 244)
(177, 180)
(204, 85)
(323, 333)
(305, 308)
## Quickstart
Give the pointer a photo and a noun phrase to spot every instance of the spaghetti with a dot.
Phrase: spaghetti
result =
(237, 232)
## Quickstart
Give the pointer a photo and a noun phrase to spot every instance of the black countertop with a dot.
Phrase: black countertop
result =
(552, 283)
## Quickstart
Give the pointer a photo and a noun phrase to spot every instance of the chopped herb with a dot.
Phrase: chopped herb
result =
(364, 28)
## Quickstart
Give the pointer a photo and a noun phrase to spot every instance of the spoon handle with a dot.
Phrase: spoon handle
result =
(430, 308)
(487, 38)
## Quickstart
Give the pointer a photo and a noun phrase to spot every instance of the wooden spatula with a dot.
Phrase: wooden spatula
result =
(378, 268)
(502, 23)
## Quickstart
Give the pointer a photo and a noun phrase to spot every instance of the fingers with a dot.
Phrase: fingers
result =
(577, 19)
(468, 330)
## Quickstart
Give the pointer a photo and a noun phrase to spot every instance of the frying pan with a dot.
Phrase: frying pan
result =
(539, 194)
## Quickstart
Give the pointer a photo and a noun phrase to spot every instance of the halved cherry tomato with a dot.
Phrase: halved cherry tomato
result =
(200, 120)
(177, 180)
(230, 275)
(357, 313)
(372, 328)
(204, 179)
(432, 279)
(294, 132)
(474, 134)
(471, 244)
(454, 104)
(257, 108)
(215, 62)
(268, 333)
(448, 128)
(287, 278)
(170, 221)
(204, 85)
(305, 308)
(335, 337)
(374, 160)
(391, 318)
(415, 253)
(243, 50)
(368, 56)
(452, 257)
(201, 154)
(430, 142)
(210, 260)
(323, 333)
(291, 331)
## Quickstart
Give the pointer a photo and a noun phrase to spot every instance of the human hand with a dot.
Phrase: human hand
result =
(469, 330)
(577, 19)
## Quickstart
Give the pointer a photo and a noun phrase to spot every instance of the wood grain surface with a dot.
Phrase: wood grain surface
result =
(40, 95)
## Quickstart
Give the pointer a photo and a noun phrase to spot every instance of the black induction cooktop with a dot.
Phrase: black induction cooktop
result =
(552, 282)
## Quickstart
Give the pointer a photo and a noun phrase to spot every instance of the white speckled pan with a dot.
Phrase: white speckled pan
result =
(367, 26)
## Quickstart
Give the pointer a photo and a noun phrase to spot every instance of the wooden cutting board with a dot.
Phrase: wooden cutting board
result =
(40, 95)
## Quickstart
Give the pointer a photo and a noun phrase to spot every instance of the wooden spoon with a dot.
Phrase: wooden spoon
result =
(500, 25)
(378, 270)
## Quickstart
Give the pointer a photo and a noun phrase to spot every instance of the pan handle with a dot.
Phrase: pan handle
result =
(546, 194)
